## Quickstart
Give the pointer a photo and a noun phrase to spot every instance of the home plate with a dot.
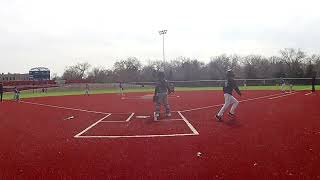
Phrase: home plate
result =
(142, 117)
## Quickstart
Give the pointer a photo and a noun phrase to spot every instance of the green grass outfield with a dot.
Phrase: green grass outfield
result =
(28, 94)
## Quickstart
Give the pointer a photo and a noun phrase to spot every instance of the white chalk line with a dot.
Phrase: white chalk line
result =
(91, 126)
(194, 131)
(69, 108)
(308, 93)
(168, 120)
(129, 118)
(282, 96)
(139, 136)
(189, 124)
(217, 105)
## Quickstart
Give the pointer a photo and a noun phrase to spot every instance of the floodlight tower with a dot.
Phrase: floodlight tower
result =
(163, 32)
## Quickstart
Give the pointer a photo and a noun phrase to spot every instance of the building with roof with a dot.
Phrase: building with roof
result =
(13, 77)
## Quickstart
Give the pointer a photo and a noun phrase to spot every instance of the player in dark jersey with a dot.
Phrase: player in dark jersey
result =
(229, 86)
(121, 88)
(160, 97)
(1, 90)
(313, 83)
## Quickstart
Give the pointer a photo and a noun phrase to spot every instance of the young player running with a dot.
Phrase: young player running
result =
(161, 92)
(228, 88)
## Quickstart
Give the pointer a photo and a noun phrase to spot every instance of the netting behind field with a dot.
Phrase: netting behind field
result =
(275, 83)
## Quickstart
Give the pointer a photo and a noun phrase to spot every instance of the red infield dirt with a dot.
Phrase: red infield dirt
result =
(274, 136)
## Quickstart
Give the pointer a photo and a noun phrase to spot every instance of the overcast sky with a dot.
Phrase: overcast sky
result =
(59, 33)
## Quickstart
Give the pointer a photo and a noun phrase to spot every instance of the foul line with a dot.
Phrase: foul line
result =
(69, 108)
(282, 96)
(217, 105)
(92, 125)
(60, 107)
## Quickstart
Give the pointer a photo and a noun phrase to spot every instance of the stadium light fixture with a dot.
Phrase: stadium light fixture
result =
(163, 32)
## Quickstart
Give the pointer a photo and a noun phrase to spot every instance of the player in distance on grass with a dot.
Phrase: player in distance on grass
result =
(121, 88)
(229, 86)
(160, 97)
(16, 94)
(87, 90)
(283, 85)
(313, 84)
(1, 90)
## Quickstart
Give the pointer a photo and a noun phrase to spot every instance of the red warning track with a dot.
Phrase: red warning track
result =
(275, 136)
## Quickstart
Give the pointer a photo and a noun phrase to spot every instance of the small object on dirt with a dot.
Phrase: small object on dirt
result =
(69, 118)
(255, 164)
(199, 154)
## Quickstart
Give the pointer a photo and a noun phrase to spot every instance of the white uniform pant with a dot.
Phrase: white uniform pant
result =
(283, 87)
(229, 100)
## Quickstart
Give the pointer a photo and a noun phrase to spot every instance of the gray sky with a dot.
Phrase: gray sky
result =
(59, 33)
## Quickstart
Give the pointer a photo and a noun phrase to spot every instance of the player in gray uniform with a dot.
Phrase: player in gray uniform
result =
(161, 92)
(229, 86)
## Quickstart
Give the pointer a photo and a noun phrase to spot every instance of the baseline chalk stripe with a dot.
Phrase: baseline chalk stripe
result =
(282, 96)
(61, 107)
(217, 105)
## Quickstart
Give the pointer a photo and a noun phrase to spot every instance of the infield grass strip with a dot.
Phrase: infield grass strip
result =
(27, 94)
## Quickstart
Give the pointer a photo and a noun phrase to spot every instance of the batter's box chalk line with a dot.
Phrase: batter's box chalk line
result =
(183, 118)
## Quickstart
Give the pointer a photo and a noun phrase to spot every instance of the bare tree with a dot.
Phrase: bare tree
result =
(77, 72)
(128, 69)
(293, 58)
(100, 75)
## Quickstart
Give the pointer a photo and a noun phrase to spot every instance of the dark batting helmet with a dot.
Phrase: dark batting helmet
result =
(230, 73)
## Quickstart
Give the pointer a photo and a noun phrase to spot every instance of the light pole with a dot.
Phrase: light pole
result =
(163, 32)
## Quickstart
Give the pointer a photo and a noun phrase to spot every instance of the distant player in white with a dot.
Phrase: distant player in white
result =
(229, 100)
(87, 90)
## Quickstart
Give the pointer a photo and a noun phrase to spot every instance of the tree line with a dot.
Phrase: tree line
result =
(289, 63)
